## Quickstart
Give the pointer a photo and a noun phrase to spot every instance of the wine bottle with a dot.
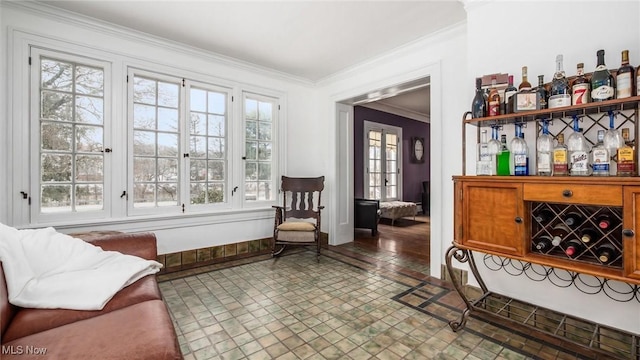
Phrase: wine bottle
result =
(626, 156)
(544, 216)
(560, 158)
(524, 85)
(603, 85)
(606, 253)
(508, 92)
(573, 219)
(544, 153)
(504, 157)
(542, 243)
(604, 222)
(589, 235)
(560, 95)
(600, 157)
(581, 88)
(478, 105)
(578, 152)
(543, 95)
(493, 100)
(625, 78)
(519, 153)
(573, 248)
(558, 233)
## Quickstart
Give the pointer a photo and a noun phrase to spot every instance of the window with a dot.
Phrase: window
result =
(260, 181)
(69, 111)
(382, 162)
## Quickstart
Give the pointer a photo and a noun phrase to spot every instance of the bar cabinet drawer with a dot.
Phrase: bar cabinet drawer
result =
(574, 194)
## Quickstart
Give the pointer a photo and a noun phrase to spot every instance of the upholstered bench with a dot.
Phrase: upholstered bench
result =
(397, 209)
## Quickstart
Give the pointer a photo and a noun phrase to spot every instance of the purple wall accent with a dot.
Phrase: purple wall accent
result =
(413, 174)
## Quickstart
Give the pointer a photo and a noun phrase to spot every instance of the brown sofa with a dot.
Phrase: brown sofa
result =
(134, 324)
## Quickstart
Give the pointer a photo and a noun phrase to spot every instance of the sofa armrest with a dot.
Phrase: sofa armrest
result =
(138, 244)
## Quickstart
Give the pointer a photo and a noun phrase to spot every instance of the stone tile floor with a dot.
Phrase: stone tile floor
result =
(349, 305)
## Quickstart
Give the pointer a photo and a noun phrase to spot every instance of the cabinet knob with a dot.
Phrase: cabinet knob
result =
(518, 220)
(567, 193)
(628, 232)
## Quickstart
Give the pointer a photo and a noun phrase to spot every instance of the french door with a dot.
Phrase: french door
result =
(383, 162)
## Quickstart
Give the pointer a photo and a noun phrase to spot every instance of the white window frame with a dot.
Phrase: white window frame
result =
(384, 129)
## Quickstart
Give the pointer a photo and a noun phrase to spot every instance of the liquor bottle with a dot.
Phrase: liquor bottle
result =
(526, 168)
(600, 157)
(542, 243)
(573, 248)
(589, 235)
(484, 164)
(613, 141)
(508, 92)
(573, 219)
(504, 157)
(626, 156)
(559, 232)
(544, 216)
(603, 85)
(606, 253)
(578, 152)
(524, 85)
(493, 101)
(543, 95)
(479, 104)
(604, 222)
(544, 154)
(560, 158)
(560, 94)
(581, 88)
(519, 153)
(495, 148)
(625, 78)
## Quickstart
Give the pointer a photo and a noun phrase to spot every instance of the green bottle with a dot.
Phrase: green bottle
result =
(503, 157)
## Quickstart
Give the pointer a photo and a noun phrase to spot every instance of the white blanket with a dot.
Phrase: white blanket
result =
(47, 269)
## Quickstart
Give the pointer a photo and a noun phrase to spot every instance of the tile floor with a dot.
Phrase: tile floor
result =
(351, 305)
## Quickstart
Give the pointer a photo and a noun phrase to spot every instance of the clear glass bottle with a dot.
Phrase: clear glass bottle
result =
(579, 149)
(559, 95)
(519, 153)
(508, 93)
(603, 85)
(495, 148)
(493, 100)
(600, 157)
(560, 158)
(544, 153)
(543, 95)
(626, 156)
(479, 104)
(625, 77)
(525, 85)
(581, 88)
(484, 163)
(504, 157)
(613, 141)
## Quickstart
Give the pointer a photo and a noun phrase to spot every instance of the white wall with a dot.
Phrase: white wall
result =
(125, 47)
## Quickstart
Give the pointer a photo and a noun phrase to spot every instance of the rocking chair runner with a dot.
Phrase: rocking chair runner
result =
(298, 220)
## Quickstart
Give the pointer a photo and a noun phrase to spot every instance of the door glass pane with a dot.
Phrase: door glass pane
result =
(259, 116)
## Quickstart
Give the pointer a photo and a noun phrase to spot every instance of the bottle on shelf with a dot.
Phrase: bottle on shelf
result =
(589, 235)
(573, 248)
(560, 158)
(603, 85)
(625, 78)
(573, 219)
(504, 157)
(560, 95)
(543, 95)
(578, 148)
(581, 88)
(559, 233)
(542, 243)
(613, 141)
(544, 153)
(525, 85)
(607, 253)
(519, 161)
(493, 100)
(508, 92)
(495, 148)
(600, 157)
(479, 103)
(544, 216)
(484, 164)
(626, 156)
(604, 222)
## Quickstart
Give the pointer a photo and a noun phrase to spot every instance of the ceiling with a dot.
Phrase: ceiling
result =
(309, 40)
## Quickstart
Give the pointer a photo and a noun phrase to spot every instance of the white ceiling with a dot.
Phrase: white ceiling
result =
(309, 40)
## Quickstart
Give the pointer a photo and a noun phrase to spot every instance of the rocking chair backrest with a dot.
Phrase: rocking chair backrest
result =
(301, 196)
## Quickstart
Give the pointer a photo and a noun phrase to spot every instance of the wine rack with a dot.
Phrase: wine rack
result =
(595, 230)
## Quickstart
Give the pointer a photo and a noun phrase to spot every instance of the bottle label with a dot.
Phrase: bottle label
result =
(603, 92)
(494, 108)
(560, 157)
(579, 161)
(559, 100)
(625, 154)
(600, 160)
(520, 164)
(544, 164)
(580, 94)
(624, 87)
(560, 169)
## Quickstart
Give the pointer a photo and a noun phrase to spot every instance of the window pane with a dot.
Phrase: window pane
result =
(89, 80)
(167, 145)
(198, 100)
(216, 148)
(198, 193)
(251, 109)
(216, 193)
(144, 91)
(167, 194)
(251, 191)
(89, 138)
(56, 75)
(198, 170)
(144, 169)
(217, 103)
(89, 110)
(88, 197)
(216, 125)
(198, 147)
(264, 171)
(264, 151)
(56, 167)
(264, 190)
(55, 198)
(216, 170)
(251, 150)
(57, 106)
(198, 124)
(251, 171)
(266, 109)
(56, 136)
(144, 195)
(251, 130)
(168, 94)
(265, 131)
(89, 168)
(168, 170)
(168, 119)
(144, 143)
(144, 117)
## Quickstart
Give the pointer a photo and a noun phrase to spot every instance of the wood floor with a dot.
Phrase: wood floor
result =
(407, 238)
